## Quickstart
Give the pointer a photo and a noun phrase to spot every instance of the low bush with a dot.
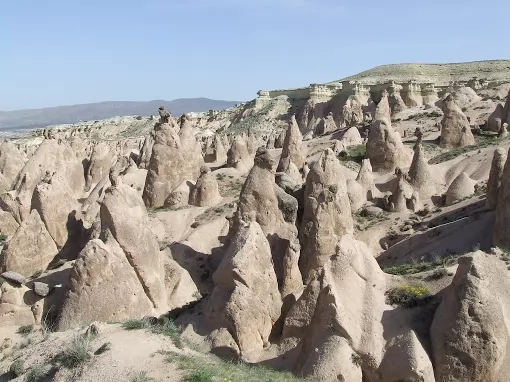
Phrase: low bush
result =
(17, 368)
(408, 296)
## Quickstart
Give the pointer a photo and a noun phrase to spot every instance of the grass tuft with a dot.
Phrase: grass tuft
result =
(211, 368)
(76, 354)
(141, 376)
(409, 269)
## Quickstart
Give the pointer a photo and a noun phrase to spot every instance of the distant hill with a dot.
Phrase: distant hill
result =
(439, 74)
(36, 118)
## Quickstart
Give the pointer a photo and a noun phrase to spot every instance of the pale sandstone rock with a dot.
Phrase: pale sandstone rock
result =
(293, 146)
(396, 102)
(205, 193)
(327, 212)
(101, 160)
(326, 125)
(181, 290)
(496, 119)
(352, 111)
(8, 225)
(385, 148)
(469, 332)
(14, 277)
(123, 213)
(246, 297)
(11, 162)
(238, 156)
(501, 235)
(13, 309)
(352, 137)
(275, 211)
(455, 128)
(146, 151)
(172, 162)
(31, 248)
(51, 156)
(495, 177)
(461, 187)
(347, 316)
(383, 111)
(366, 179)
(180, 196)
(465, 97)
(54, 201)
(103, 287)
(405, 359)
(357, 195)
(420, 176)
(220, 154)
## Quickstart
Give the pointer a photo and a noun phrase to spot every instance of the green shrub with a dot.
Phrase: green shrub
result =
(408, 296)
(36, 374)
(76, 354)
(25, 330)
(17, 367)
(438, 274)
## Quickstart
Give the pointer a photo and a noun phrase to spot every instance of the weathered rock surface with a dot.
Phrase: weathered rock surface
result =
(205, 193)
(11, 161)
(238, 156)
(385, 148)
(101, 160)
(346, 316)
(31, 249)
(123, 213)
(246, 298)
(495, 177)
(8, 225)
(469, 332)
(171, 163)
(292, 146)
(103, 287)
(327, 213)
(54, 200)
(461, 187)
(455, 128)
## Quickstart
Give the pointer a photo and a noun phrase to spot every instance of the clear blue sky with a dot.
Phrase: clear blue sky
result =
(60, 52)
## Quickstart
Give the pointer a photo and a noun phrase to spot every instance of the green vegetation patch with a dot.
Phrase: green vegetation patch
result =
(163, 325)
(211, 368)
(408, 296)
(353, 154)
(409, 269)
(482, 142)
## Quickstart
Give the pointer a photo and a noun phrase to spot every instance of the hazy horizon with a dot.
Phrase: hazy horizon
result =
(59, 53)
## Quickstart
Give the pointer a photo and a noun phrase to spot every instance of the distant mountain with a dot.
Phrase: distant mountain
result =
(36, 118)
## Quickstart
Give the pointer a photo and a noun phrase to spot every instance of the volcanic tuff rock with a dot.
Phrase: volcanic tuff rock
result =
(31, 249)
(205, 192)
(495, 177)
(384, 147)
(455, 129)
(246, 297)
(469, 333)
